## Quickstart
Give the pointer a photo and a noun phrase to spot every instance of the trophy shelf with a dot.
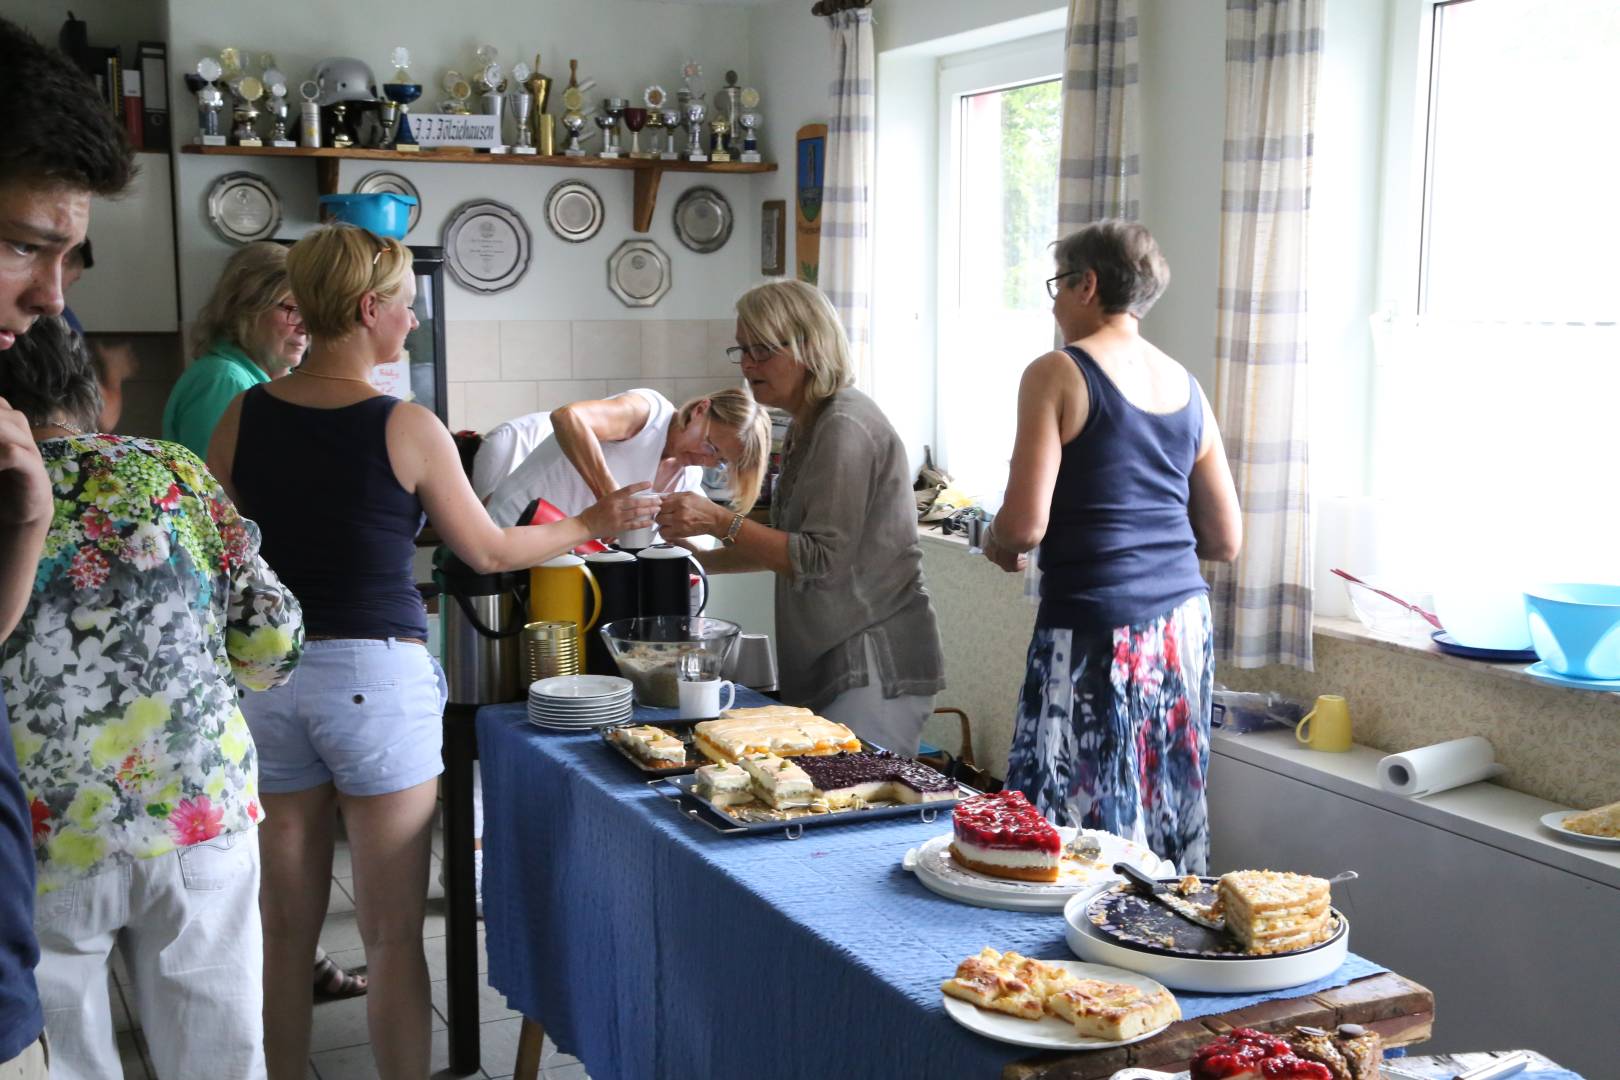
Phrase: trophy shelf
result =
(648, 171)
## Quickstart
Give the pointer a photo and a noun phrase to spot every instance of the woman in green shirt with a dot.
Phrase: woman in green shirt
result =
(248, 333)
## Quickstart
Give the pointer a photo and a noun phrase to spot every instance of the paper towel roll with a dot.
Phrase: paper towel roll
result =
(1440, 767)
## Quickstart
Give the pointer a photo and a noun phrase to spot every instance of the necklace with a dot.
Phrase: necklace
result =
(64, 425)
(332, 378)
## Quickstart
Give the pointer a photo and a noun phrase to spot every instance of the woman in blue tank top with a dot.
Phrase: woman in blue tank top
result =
(340, 478)
(1118, 474)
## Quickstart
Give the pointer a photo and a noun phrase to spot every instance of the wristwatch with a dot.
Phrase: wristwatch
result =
(731, 534)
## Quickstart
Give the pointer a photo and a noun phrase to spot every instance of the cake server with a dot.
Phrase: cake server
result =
(1157, 890)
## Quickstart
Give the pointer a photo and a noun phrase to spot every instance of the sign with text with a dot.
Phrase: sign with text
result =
(452, 129)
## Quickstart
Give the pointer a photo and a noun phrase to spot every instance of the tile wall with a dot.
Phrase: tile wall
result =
(500, 370)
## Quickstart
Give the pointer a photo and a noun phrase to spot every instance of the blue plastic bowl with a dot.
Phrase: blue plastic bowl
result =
(1576, 628)
(382, 212)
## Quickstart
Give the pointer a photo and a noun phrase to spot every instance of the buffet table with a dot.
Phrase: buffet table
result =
(648, 945)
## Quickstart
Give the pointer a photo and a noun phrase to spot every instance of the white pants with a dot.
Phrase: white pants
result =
(32, 1064)
(188, 924)
(893, 723)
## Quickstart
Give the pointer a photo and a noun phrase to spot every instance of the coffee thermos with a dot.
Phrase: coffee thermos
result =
(665, 581)
(616, 575)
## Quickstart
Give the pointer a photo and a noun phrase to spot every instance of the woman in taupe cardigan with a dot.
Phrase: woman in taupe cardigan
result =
(855, 630)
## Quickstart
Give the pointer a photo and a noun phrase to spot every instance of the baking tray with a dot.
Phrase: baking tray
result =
(681, 729)
(694, 806)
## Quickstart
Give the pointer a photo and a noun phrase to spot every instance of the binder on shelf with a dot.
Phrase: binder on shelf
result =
(132, 108)
(152, 61)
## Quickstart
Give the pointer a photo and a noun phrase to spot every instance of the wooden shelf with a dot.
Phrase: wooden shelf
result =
(648, 171)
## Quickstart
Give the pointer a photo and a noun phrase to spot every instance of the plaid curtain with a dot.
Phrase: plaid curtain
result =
(846, 198)
(1098, 177)
(1262, 602)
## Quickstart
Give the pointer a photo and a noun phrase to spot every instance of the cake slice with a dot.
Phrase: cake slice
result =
(1269, 911)
(1247, 1054)
(1603, 821)
(724, 784)
(778, 782)
(653, 745)
(1350, 1053)
(990, 981)
(1114, 1011)
(1002, 835)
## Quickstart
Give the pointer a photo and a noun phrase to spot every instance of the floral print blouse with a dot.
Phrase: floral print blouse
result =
(150, 606)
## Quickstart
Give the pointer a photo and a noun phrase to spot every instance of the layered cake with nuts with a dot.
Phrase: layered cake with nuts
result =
(1002, 835)
(1271, 912)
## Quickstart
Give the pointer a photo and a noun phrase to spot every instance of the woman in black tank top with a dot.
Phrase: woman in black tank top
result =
(1119, 476)
(340, 479)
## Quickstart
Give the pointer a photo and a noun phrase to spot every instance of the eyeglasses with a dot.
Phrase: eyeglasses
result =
(709, 448)
(1052, 282)
(288, 311)
(757, 353)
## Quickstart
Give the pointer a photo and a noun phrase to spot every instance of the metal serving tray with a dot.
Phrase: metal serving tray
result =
(694, 806)
(681, 729)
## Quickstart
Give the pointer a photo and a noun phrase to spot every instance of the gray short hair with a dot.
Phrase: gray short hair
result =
(1131, 272)
(48, 373)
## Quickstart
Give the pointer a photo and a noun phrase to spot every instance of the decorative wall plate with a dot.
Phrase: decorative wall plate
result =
(703, 219)
(574, 211)
(242, 207)
(638, 273)
(486, 246)
(392, 183)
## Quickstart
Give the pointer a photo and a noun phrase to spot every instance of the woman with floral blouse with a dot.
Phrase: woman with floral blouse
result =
(150, 608)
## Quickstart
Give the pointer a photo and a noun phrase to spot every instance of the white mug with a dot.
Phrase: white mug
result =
(700, 698)
(637, 539)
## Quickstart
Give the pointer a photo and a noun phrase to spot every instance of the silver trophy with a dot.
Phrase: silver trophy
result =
(749, 123)
(210, 101)
(490, 85)
(247, 90)
(670, 121)
(309, 115)
(521, 103)
(608, 121)
(729, 107)
(695, 112)
(574, 124)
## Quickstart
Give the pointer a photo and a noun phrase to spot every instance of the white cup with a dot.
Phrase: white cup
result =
(637, 539)
(700, 698)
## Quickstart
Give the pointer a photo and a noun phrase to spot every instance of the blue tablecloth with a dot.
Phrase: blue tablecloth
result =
(650, 946)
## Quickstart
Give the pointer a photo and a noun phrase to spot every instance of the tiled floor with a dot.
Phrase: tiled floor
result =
(339, 1045)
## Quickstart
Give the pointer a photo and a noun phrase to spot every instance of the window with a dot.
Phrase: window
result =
(1000, 134)
(1496, 402)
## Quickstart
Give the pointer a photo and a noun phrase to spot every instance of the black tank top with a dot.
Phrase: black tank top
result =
(1119, 547)
(338, 529)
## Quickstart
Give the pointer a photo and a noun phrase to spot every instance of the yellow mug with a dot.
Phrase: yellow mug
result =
(1329, 724)
(557, 591)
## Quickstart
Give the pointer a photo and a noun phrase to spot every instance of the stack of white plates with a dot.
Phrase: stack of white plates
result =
(579, 702)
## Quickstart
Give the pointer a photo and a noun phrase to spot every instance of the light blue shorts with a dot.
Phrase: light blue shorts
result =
(363, 715)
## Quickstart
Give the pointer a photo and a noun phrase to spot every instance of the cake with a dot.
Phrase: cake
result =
(1271, 912)
(652, 745)
(1007, 983)
(853, 780)
(775, 730)
(1246, 1054)
(1603, 821)
(1114, 1011)
(778, 782)
(1350, 1053)
(1003, 836)
(723, 784)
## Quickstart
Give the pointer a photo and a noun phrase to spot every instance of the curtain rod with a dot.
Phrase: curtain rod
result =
(832, 7)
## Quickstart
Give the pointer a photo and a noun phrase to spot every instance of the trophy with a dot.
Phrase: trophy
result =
(275, 105)
(210, 100)
(695, 112)
(455, 84)
(634, 120)
(341, 138)
(519, 102)
(489, 84)
(309, 114)
(573, 120)
(720, 136)
(670, 121)
(396, 113)
(539, 88)
(749, 122)
(612, 109)
(247, 90)
(728, 106)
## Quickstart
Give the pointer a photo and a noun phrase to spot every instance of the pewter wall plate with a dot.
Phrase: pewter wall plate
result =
(392, 183)
(574, 211)
(638, 273)
(703, 219)
(243, 207)
(486, 246)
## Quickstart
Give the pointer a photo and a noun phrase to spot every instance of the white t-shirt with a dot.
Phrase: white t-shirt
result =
(505, 448)
(547, 473)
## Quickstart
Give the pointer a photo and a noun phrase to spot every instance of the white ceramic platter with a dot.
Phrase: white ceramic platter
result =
(939, 872)
(1051, 1032)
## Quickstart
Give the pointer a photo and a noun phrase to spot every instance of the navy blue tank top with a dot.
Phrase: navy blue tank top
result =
(20, 1015)
(1119, 547)
(338, 529)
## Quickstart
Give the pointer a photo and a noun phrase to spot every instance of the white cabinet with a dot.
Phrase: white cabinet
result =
(132, 288)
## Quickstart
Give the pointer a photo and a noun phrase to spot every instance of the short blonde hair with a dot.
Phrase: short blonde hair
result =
(334, 266)
(799, 318)
(254, 281)
(735, 408)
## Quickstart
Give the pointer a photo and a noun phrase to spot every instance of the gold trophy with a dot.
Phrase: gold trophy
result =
(573, 100)
(720, 128)
(545, 127)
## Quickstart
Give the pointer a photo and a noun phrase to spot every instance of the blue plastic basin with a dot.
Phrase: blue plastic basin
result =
(1575, 628)
(382, 212)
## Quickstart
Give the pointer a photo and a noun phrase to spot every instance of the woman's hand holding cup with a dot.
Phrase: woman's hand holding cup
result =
(631, 507)
(687, 513)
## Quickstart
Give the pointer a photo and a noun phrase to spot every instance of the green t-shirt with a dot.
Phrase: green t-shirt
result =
(199, 398)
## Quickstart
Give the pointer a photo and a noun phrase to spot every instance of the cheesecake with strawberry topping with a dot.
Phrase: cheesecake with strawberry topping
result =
(1002, 835)
(1246, 1054)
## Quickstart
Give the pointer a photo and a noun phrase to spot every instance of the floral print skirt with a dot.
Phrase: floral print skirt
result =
(1113, 730)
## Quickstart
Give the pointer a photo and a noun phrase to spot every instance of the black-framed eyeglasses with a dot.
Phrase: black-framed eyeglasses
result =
(1052, 282)
(288, 311)
(757, 353)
